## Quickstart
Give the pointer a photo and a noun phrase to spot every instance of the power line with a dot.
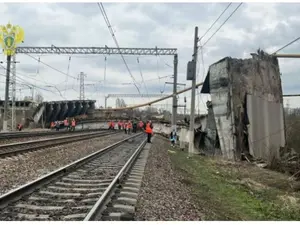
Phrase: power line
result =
(101, 7)
(68, 69)
(223, 23)
(287, 45)
(215, 21)
(52, 67)
(143, 81)
(165, 62)
(33, 86)
(24, 82)
(28, 76)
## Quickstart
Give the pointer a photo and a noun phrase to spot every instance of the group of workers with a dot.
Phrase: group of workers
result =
(68, 123)
(133, 126)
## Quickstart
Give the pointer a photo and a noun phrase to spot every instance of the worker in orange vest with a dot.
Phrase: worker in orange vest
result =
(112, 125)
(66, 123)
(73, 124)
(141, 125)
(129, 126)
(149, 131)
(109, 125)
(52, 125)
(20, 126)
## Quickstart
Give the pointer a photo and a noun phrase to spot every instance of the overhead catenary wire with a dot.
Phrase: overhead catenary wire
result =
(203, 73)
(143, 81)
(32, 85)
(165, 62)
(287, 45)
(57, 70)
(222, 24)
(28, 76)
(101, 7)
(68, 70)
(215, 21)
(24, 82)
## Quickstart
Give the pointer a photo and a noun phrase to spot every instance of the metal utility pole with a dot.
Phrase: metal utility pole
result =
(6, 92)
(193, 96)
(13, 95)
(11, 110)
(184, 106)
(174, 109)
(104, 83)
(178, 84)
(81, 78)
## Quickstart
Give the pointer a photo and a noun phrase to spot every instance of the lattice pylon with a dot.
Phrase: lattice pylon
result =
(81, 83)
(11, 114)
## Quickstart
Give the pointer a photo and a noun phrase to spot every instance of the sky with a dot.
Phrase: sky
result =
(267, 26)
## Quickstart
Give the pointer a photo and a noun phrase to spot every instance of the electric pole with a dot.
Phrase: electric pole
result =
(6, 92)
(104, 83)
(81, 78)
(192, 76)
(13, 121)
(174, 109)
(184, 106)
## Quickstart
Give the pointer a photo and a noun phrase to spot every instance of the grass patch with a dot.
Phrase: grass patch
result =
(236, 192)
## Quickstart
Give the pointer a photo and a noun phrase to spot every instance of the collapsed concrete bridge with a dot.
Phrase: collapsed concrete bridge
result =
(59, 110)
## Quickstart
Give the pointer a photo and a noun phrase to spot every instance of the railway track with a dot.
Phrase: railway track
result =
(23, 147)
(81, 190)
(22, 134)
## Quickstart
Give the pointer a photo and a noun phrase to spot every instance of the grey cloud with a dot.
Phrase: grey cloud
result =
(28, 69)
(175, 18)
(35, 33)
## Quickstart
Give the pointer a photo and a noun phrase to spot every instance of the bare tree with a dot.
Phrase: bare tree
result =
(39, 98)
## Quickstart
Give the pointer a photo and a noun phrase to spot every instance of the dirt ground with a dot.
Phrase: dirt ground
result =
(237, 191)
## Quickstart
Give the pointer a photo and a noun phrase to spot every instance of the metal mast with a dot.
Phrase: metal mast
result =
(13, 94)
(11, 109)
(81, 81)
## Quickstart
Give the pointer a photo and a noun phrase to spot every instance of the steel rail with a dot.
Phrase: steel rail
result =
(21, 147)
(100, 204)
(23, 134)
(30, 187)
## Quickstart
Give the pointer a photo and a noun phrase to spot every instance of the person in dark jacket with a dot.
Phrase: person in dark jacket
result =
(134, 126)
(173, 137)
(57, 125)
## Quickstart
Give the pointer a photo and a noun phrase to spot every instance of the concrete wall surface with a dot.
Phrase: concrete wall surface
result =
(266, 129)
(246, 96)
(221, 105)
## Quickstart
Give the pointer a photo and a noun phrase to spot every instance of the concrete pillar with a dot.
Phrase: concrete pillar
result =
(85, 106)
(78, 109)
(23, 117)
(71, 109)
(64, 110)
(56, 111)
(49, 111)
(91, 108)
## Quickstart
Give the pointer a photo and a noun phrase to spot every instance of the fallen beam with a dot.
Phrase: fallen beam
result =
(151, 102)
(292, 95)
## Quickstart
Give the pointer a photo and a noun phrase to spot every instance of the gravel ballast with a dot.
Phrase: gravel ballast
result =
(35, 138)
(18, 170)
(163, 196)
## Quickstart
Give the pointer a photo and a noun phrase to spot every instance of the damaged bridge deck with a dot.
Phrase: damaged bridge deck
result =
(58, 110)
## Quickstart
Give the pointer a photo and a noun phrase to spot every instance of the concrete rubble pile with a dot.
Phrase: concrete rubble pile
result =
(245, 115)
